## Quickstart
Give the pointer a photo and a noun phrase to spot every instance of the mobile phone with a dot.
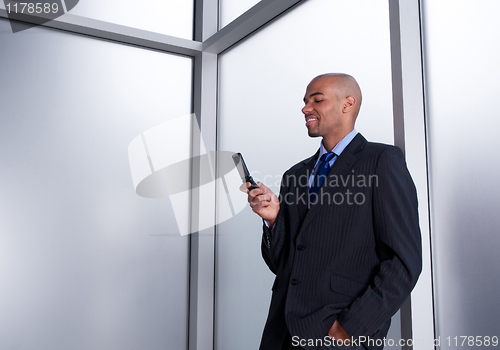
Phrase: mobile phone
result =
(243, 170)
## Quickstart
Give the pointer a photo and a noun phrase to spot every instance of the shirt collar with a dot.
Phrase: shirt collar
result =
(339, 147)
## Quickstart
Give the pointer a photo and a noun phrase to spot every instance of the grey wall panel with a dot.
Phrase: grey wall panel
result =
(412, 126)
(461, 73)
(85, 263)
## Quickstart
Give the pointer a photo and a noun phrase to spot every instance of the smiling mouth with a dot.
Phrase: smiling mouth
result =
(310, 120)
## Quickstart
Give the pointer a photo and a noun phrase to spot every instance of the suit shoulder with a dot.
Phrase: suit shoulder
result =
(376, 148)
(299, 165)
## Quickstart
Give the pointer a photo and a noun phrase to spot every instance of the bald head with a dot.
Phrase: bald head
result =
(331, 106)
(344, 86)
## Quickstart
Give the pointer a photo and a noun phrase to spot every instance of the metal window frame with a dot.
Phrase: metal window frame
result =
(208, 43)
(417, 315)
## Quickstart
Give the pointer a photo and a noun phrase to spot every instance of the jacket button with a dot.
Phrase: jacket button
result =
(301, 247)
(294, 282)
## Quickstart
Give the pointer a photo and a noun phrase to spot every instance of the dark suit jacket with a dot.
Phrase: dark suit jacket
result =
(355, 258)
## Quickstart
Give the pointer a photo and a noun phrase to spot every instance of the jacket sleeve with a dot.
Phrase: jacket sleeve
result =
(273, 239)
(398, 241)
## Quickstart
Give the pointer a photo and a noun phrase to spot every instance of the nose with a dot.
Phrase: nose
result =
(307, 109)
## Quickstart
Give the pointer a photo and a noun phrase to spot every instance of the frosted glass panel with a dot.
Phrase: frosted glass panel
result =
(86, 263)
(262, 84)
(462, 114)
(232, 9)
(171, 17)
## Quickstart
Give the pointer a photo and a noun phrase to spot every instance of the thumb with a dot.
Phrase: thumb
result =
(243, 188)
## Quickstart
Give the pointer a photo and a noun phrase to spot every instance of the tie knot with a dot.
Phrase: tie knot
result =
(327, 157)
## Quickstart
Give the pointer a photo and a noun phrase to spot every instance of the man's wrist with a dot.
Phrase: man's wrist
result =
(270, 223)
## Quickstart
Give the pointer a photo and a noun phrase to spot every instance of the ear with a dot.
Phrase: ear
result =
(348, 104)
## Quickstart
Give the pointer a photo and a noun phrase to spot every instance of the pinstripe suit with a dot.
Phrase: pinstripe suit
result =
(352, 260)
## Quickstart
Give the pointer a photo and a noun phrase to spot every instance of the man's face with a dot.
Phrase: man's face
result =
(322, 109)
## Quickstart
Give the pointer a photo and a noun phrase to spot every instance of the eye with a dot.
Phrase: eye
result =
(318, 101)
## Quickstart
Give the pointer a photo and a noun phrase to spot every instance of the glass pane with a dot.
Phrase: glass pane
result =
(171, 17)
(462, 93)
(86, 263)
(232, 9)
(262, 84)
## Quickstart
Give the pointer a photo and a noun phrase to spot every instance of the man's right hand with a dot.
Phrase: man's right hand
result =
(264, 203)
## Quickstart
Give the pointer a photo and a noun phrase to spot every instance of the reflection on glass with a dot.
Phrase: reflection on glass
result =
(262, 83)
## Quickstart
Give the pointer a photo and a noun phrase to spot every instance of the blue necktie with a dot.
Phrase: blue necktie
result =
(321, 174)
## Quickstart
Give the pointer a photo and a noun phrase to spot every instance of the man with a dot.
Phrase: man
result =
(343, 238)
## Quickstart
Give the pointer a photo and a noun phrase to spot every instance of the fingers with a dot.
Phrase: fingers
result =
(261, 185)
(262, 200)
(253, 195)
(260, 197)
(256, 191)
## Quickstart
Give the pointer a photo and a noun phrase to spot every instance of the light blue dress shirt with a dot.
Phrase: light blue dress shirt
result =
(338, 149)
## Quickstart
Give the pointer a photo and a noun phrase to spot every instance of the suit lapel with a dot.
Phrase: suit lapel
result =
(302, 179)
(340, 169)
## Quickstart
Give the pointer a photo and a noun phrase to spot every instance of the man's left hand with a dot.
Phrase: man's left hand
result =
(338, 333)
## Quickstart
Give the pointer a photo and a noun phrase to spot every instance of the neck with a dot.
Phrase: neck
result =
(329, 142)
